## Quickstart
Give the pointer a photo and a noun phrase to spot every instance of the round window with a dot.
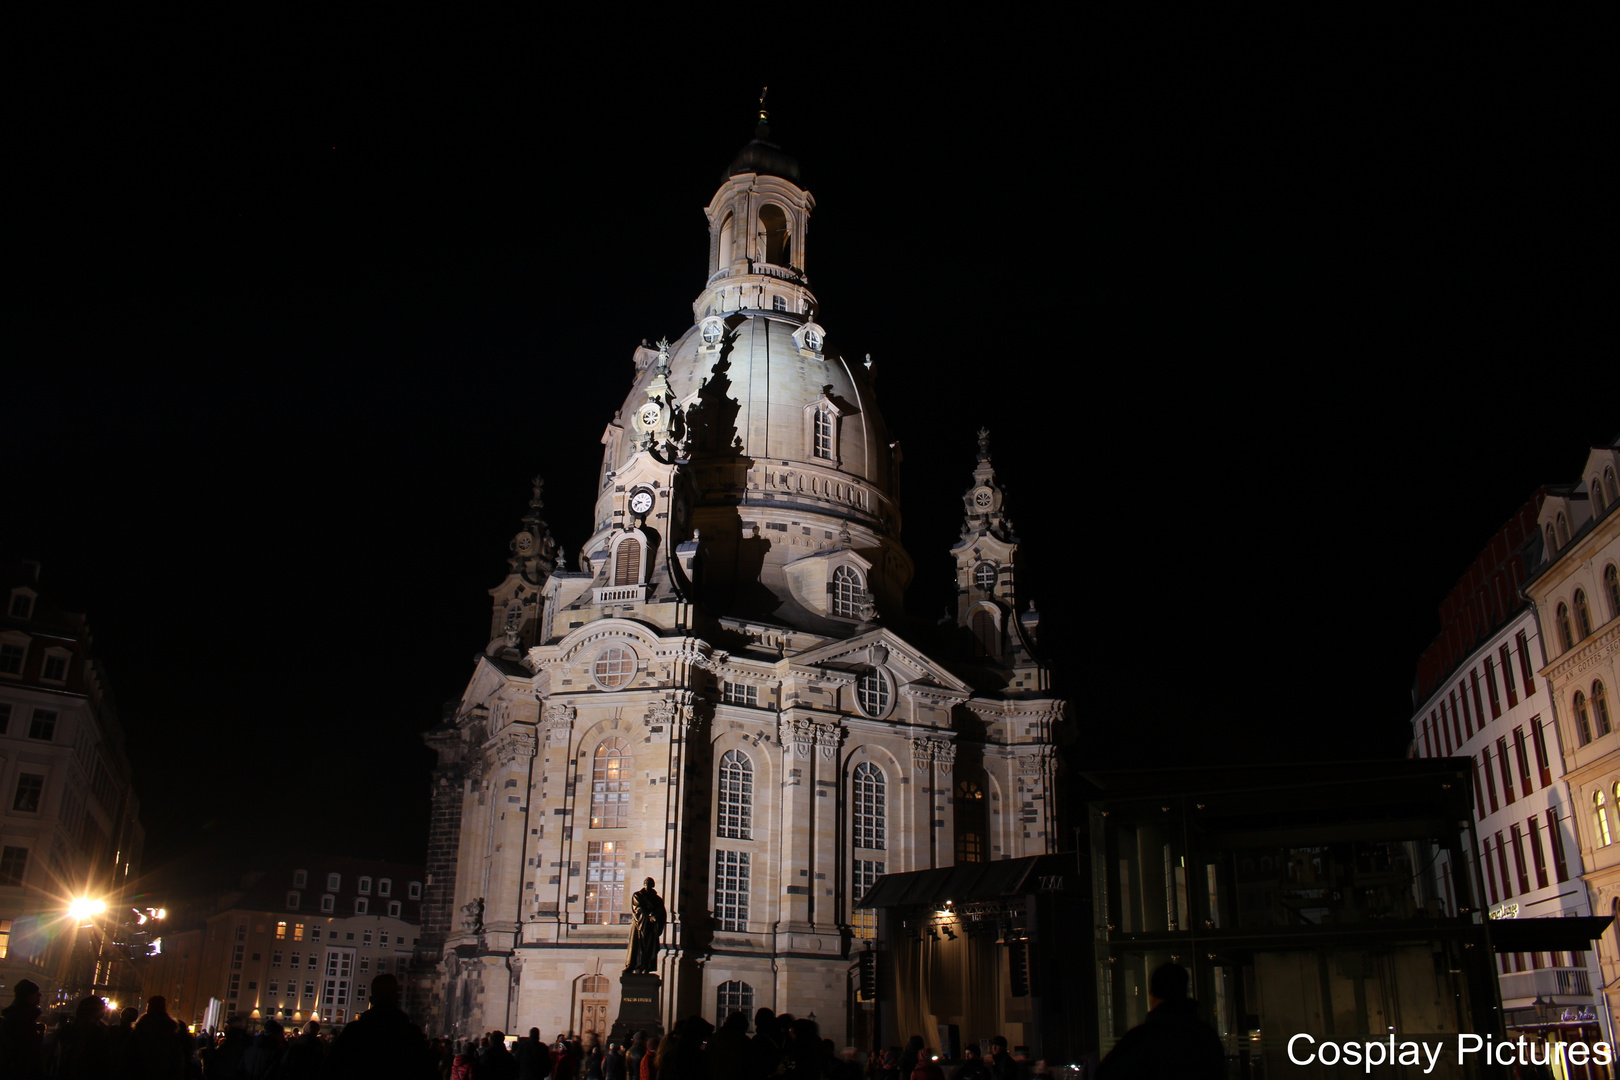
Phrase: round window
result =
(615, 666)
(711, 332)
(872, 692)
(984, 577)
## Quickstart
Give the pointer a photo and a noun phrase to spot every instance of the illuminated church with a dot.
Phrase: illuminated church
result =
(723, 692)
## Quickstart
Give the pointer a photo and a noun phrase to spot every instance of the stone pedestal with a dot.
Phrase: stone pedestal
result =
(638, 1006)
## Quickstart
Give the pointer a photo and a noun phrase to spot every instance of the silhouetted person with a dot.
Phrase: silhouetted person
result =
(632, 1060)
(1172, 1043)
(381, 1042)
(1002, 1065)
(911, 1055)
(305, 1054)
(22, 1049)
(84, 1050)
(465, 1064)
(769, 1044)
(497, 1063)
(159, 1050)
(533, 1057)
(262, 1061)
(222, 1061)
(972, 1067)
(728, 1050)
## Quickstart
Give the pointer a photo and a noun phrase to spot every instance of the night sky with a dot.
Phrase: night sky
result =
(1272, 330)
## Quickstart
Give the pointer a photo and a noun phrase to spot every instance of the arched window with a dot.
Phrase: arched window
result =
(610, 785)
(872, 692)
(727, 232)
(1611, 585)
(1552, 544)
(614, 667)
(1583, 614)
(984, 577)
(971, 822)
(1583, 726)
(847, 588)
(986, 637)
(736, 796)
(1600, 818)
(1595, 488)
(627, 562)
(594, 986)
(1600, 708)
(1610, 485)
(823, 446)
(870, 814)
(1565, 640)
(1563, 530)
(734, 997)
(773, 228)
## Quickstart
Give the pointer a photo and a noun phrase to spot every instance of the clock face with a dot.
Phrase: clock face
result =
(649, 416)
(982, 499)
(711, 333)
(641, 502)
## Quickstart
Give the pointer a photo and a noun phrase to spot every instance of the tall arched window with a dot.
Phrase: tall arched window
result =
(773, 228)
(727, 233)
(733, 997)
(1552, 543)
(986, 638)
(1565, 640)
(1609, 483)
(736, 796)
(1583, 725)
(1600, 708)
(1583, 614)
(1595, 487)
(1563, 530)
(1600, 819)
(1611, 585)
(846, 590)
(823, 446)
(627, 562)
(971, 822)
(871, 815)
(610, 785)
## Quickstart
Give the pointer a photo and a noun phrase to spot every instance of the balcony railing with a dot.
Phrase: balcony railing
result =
(1547, 983)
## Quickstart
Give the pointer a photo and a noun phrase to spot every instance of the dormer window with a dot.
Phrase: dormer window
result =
(848, 591)
(385, 887)
(1563, 530)
(300, 878)
(1595, 486)
(328, 903)
(821, 428)
(22, 605)
(812, 341)
(55, 667)
(1552, 542)
(365, 886)
(292, 905)
(809, 338)
(361, 905)
(1583, 614)
(334, 882)
(823, 447)
(414, 890)
(1565, 639)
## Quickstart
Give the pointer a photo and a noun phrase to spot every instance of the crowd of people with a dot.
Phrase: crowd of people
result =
(93, 1044)
(781, 1046)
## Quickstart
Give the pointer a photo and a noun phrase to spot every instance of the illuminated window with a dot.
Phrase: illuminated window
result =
(1583, 614)
(298, 931)
(984, 577)
(847, 590)
(1600, 818)
(30, 787)
(281, 928)
(736, 795)
(5, 938)
(615, 666)
(872, 691)
(971, 822)
(871, 816)
(731, 890)
(1583, 726)
(823, 446)
(42, 725)
(610, 785)
(863, 921)
(733, 997)
(604, 881)
(1600, 709)
(13, 865)
(1565, 639)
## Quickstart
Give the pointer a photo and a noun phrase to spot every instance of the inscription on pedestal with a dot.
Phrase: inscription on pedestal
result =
(638, 1006)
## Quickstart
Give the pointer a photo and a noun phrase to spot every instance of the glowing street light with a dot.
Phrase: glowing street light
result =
(84, 908)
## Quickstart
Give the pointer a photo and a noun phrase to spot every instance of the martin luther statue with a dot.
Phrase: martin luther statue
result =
(647, 918)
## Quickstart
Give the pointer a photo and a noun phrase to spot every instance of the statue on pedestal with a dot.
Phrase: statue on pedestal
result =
(647, 919)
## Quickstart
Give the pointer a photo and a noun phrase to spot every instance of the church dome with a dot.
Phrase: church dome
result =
(764, 157)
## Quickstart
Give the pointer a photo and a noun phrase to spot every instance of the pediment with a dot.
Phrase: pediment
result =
(897, 655)
(491, 677)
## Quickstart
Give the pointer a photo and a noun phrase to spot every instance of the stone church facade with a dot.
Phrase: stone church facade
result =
(723, 693)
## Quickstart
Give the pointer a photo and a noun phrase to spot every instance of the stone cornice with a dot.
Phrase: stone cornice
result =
(1593, 650)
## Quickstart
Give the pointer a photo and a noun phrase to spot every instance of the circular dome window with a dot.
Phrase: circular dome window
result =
(614, 667)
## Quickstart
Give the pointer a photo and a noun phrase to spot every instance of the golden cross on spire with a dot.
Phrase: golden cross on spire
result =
(763, 115)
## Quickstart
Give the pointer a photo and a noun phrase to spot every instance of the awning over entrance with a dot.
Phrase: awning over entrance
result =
(1547, 935)
(976, 881)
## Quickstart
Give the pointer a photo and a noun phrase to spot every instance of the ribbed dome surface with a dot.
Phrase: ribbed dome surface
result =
(764, 157)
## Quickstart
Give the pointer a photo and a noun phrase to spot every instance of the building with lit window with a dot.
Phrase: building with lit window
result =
(1480, 695)
(724, 693)
(69, 818)
(300, 942)
(1575, 592)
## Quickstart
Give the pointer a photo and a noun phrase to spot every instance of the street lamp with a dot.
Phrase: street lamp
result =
(85, 908)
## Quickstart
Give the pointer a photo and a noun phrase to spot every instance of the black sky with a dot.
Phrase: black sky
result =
(1273, 326)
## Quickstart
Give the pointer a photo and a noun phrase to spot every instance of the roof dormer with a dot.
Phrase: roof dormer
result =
(1602, 475)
